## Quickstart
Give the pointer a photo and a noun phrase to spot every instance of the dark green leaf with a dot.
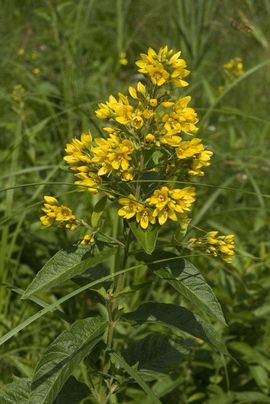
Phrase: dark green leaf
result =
(190, 283)
(72, 392)
(135, 376)
(64, 265)
(172, 315)
(146, 238)
(62, 357)
(98, 211)
(153, 352)
(15, 392)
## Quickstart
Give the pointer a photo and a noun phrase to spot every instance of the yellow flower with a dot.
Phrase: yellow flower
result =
(123, 59)
(149, 138)
(158, 74)
(234, 68)
(144, 217)
(201, 160)
(187, 149)
(88, 239)
(89, 181)
(57, 213)
(171, 139)
(130, 207)
(216, 245)
(169, 203)
(163, 66)
(183, 198)
(36, 71)
(138, 92)
(160, 198)
(127, 175)
(120, 110)
(153, 102)
(78, 151)
(119, 157)
(182, 118)
(148, 113)
(137, 121)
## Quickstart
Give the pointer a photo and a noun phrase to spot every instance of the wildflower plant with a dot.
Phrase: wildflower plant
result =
(142, 169)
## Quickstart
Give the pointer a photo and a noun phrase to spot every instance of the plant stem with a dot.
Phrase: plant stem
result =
(112, 307)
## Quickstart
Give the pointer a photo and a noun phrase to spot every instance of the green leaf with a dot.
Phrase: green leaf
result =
(260, 375)
(62, 357)
(72, 392)
(98, 211)
(177, 317)
(250, 354)
(146, 238)
(135, 375)
(154, 353)
(15, 392)
(248, 397)
(64, 265)
(190, 283)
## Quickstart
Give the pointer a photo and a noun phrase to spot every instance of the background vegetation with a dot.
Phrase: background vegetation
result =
(58, 60)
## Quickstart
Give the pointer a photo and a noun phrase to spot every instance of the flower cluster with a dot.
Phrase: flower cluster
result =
(234, 68)
(167, 204)
(216, 245)
(149, 146)
(60, 214)
(163, 66)
(149, 140)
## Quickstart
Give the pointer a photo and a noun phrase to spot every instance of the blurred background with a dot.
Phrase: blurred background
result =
(58, 60)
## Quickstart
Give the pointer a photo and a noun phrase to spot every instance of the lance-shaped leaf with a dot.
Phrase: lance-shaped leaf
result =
(154, 353)
(119, 360)
(98, 211)
(62, 357)
(64, 265)
(177, 317)
(73, 392)
(146, 238)
(16, 392)
(190, 283)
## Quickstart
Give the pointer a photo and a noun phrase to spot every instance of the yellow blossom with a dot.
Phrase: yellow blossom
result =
(88, 239)
(216, 245)
(123, 59)
(163, 66)
(153, 102)
(130, 207)
(201, 160)
(89, 181)
(169, 203)
(183, 198)
(144, 217)
(36, 71)
(60, 214)
(234, 68)
(120, 109)
(182, 118)
(120, 156)
(137, 121)
(149, 138)
(190, 148)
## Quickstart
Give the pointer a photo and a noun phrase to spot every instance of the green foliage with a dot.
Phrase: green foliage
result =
(64, 265)
(189, 282)
(62, 357)
(146, 238)
(177, 317)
